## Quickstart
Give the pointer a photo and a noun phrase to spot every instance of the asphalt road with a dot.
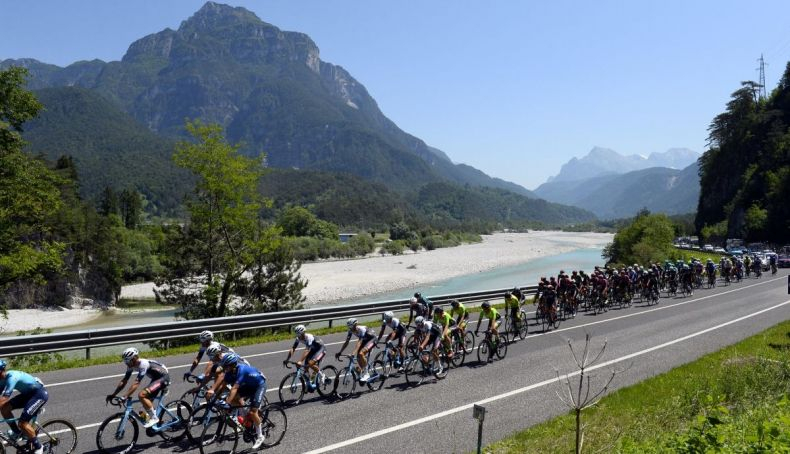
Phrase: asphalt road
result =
(517, 392)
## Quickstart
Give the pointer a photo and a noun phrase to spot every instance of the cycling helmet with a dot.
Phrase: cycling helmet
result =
(485, 305)
(454, 303)
(206, 336)
(413, 301)
(388, 315)
(299, 330)
(231, 359)
(213, 349)
(3, 364)
(508, 294)
(419, 320)
(418, 295)
(351, 322)
(438, 310)
(129, 354)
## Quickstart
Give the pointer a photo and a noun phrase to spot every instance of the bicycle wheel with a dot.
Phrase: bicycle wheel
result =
(175, 420)
(523, 328)
(327, 387)
(201, 417)
(418, 372)
(346, 383)
(458, 352)
(483, 351)
(469, 342)
(501, 349)
(58, 436)
(444, 363)
(556, 321)
(117, 434)
(377, 376)
(219, 436)
(292, 389)
(274, 425)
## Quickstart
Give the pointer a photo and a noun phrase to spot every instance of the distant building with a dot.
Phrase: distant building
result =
(344, 237)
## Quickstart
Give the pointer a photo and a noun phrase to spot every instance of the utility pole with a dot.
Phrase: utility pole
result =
(761, 69)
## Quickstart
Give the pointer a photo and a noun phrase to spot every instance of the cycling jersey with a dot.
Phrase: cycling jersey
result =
(251, 383)
(511, 301)
(395, 325)
(361, 332)
(492, 314)
(430, 327)
(309, 341)
(445, 320)
(459, 311)
(152, 369)
(20, 381)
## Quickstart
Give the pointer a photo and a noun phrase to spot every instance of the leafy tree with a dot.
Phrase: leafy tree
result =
(299, 221)
(29, 192)
(223, 251)
(130, 208)
(108, 202)
(647, 239)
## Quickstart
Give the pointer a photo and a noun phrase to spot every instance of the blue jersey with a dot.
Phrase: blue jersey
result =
(20, 381)
(245, 376)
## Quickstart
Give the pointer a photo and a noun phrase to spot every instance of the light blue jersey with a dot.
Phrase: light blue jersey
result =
(20, 381)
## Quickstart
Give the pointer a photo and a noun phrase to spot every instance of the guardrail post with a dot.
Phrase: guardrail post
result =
(330, 321)
(88, 350)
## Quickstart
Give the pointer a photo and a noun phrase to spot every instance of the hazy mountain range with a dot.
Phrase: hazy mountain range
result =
(604, 161)
(606, 183)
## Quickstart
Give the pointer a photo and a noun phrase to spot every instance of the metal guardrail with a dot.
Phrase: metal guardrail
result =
(87, 339)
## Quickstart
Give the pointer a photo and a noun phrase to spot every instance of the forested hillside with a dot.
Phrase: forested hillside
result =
(745, 174)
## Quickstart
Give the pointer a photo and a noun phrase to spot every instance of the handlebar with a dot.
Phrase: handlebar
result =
(192, 378)
(119, 402)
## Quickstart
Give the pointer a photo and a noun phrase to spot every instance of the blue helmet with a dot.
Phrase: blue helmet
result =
(230, 359)
(3, 364)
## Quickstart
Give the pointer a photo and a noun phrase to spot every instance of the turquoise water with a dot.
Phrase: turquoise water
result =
(521, 275)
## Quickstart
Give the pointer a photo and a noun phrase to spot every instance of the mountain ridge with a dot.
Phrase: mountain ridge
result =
(604, 161)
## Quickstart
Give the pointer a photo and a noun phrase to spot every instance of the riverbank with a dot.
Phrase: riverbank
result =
(331, 281)
(30, 319)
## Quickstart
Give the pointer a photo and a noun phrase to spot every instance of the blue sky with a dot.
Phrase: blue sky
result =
(513, 88)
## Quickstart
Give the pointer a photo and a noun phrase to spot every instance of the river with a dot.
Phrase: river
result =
(523, 274)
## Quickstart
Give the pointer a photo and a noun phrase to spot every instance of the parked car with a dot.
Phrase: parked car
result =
(784, 261)
(719, 250)
(707, 248)
(736, 252)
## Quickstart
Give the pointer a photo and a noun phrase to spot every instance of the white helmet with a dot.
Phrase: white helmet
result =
(129, 354)
(206, 336)
(299, 330)
(351, 322)
(388, 315)
(413, 300)
(213, 349)
(419, 320)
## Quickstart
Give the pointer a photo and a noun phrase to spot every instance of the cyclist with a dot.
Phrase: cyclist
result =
(710, 269)
(747, 264)
(366, 340)
(511, 307)
(314, 351)
(156, 371)
(398, 331)
(214, 354)
(31, 397)
(246, 382)
(206, 338)
(419, 306)
(460, 311)
(431, 340)
(494, 320)
(446, 322)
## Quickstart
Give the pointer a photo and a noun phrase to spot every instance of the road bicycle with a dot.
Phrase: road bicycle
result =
(201, 410)
(348, 377)
(118, 433)
(293, 385)
(426, 368)
(516, 327)
(491, 345)
(56, 436)
(392, 361)
(547, 314)
(222, 432)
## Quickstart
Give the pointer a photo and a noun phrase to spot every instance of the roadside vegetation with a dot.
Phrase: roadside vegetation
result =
(733, 400)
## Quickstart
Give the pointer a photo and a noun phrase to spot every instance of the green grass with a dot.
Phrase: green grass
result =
(747, 379)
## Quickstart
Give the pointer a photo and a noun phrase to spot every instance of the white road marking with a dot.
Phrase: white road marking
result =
(451, 411)
(255, 355)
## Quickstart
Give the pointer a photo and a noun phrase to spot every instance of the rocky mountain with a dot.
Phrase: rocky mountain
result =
(270, 90)
(659, 189)
(604, 161)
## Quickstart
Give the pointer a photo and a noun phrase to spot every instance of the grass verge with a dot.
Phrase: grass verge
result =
(733, 400)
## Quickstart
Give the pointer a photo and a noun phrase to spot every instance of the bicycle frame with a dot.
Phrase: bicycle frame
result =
(160, 409)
